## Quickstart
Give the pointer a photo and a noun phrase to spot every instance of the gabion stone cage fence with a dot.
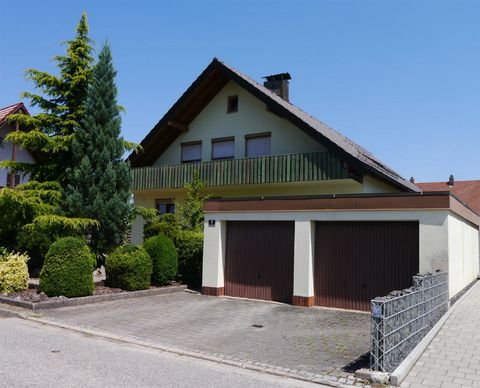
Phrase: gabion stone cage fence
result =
(401, 319)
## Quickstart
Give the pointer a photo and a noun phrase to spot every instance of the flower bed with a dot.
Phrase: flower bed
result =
(34, 300)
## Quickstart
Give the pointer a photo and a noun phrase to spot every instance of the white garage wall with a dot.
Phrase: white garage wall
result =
(463, 253)
(433, 239)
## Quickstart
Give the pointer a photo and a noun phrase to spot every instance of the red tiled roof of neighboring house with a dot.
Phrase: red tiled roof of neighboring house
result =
(11, 109)
(467, 191)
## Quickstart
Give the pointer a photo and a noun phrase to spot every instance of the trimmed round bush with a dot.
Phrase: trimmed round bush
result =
(128, 267)
(68, 268)
(13, 272)
(189, 246)
(164, 259)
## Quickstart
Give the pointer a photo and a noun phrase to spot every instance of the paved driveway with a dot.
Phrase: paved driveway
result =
(301, 340)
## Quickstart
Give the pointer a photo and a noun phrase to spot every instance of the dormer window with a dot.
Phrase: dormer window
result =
(223, 148)
(232, 104)
(192, 152)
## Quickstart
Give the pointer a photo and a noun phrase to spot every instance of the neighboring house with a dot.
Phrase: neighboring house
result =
(467, 191)
(299, 213)
(8, 151)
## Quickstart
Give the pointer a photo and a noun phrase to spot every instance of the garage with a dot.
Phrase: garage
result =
(259, 260)
(357, 261)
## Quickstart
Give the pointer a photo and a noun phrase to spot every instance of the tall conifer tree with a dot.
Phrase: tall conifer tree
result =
(100, 181)
(62, 104)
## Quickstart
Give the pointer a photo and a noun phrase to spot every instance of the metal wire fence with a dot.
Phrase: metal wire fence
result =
(401, 319)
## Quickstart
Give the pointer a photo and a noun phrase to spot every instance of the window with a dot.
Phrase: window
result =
(232, 104)
(223, 148)
(165, 206)
(17, 180)
(2, 145)
(257, 145)
(192, 152)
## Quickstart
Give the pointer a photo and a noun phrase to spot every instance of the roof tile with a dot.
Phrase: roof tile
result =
(11, 109)
(466, 191)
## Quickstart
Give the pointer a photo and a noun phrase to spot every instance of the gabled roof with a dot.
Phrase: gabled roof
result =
(467, 191)
(11, 109)
(212, 80)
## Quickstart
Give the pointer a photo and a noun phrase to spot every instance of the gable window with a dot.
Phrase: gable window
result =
(165, 206)
(192, 152)
(223, 148)
(258, 145)
(232, 104)
(9, 180)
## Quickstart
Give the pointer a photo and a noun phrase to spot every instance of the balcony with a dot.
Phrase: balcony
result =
(315, 166)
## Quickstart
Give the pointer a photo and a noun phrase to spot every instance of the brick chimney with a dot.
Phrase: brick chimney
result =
(278, 83)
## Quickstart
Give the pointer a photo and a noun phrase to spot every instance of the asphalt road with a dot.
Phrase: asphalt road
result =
(37, 355)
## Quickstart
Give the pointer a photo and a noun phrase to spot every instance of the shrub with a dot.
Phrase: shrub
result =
(13, 272)
(189, 246)
(36, 243)
(67, 269)
(167, 225)
(128, 267)
(164, 259)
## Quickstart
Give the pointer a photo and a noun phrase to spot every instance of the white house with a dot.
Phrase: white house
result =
(8, 150)
(299, 213)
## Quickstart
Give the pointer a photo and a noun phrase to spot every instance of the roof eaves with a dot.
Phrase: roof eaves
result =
(350, 148)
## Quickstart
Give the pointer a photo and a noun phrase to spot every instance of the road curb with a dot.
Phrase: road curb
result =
(399, 374)
(254, 366)
(58, 303)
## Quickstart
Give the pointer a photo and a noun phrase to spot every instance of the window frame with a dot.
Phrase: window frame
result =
(255, 136)
(168, 202)
(16, 182)
(232, 103)
(223, 140)
(190, 143)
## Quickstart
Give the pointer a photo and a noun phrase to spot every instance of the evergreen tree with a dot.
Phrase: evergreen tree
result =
(100, 181)
(51, 132)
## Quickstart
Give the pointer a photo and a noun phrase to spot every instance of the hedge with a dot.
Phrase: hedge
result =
(128, 267)
(189, 246)
(13, 272)
(164, 259)
(68, 268)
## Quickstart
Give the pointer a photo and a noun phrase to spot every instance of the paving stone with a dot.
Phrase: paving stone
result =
(453, 357)
(309, 340)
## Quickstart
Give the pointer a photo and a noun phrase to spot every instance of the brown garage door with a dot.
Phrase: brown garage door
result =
(357, 261)
(259, 260)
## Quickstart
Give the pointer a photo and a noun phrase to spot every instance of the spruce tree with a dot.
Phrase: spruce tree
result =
(62, 105)
(100, 181)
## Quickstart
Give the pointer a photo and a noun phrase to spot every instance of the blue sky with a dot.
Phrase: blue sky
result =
(401, 78)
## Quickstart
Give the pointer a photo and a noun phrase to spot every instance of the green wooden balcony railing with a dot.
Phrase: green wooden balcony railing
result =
(315, 166)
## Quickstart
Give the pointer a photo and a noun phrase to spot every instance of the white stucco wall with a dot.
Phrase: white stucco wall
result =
(214, 264)
(303, 281)
(463, 253)
(6, 154)
(372, 185)
(433, 239)
(252, 117)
